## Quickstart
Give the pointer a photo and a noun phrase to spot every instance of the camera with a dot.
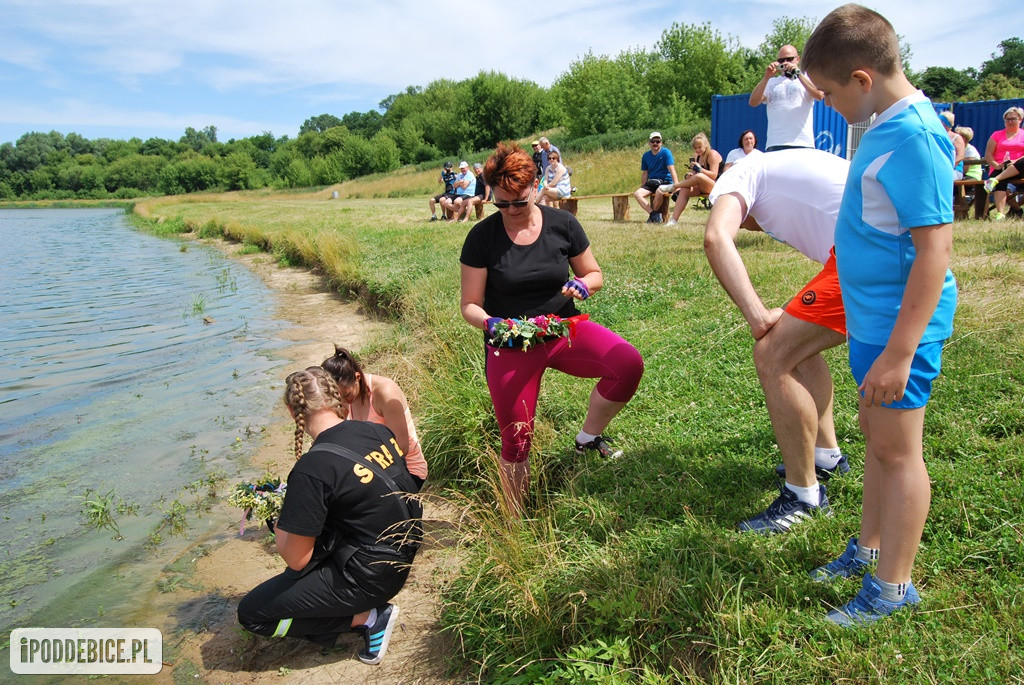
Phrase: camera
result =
(790, 72)
(695, 168)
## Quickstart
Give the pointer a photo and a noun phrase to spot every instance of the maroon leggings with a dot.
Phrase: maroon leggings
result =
(513, 378)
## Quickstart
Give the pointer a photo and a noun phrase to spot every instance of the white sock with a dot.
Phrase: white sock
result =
(827, 457)
(372, 618)
(584, 438)
(810, 495)
(892, 592)
(866, 554)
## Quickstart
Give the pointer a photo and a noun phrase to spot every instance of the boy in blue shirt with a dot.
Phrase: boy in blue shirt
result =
(893, 243)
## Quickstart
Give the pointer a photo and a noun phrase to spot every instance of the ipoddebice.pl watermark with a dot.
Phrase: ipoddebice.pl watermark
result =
(86, 650)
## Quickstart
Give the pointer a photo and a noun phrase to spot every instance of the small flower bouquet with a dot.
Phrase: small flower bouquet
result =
(529, 331)
(261, 500)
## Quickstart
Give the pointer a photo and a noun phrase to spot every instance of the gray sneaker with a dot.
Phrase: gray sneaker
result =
(786, 511)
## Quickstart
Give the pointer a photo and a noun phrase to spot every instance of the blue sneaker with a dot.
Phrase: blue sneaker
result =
(868, 606)
(841, 467)
(784, 512)
(846, 566)
(654, 218)
(378, 635)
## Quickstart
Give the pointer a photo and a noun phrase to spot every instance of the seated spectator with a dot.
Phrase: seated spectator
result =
(657, 167)
(704, 169)
(465, 188)
(1004, 146)
(483, 191)
(447, 177)
(538, 156)
(947, 118)
(557, 184)
(546, 148)
(972, 171)
(746, 146)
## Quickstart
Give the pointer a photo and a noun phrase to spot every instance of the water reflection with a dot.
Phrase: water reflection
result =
(111, 379)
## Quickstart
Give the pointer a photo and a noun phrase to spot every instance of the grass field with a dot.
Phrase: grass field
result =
(631, 571)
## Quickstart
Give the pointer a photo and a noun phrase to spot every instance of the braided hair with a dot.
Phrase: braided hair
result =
(307, 392)
(345, 370)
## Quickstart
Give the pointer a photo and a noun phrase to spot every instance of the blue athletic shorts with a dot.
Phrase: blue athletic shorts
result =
(923, 370)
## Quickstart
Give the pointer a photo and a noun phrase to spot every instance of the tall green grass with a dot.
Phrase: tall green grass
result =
(631, 571)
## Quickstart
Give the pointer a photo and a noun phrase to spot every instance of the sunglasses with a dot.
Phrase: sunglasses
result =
(787, 59)
(656, 141)
(505, 204)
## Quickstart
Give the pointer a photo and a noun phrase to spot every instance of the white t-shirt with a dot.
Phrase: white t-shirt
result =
(794, 195)
(790, 113)
(737, 153)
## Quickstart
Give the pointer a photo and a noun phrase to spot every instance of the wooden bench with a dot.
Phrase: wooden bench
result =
(620, 204)
(960, 206)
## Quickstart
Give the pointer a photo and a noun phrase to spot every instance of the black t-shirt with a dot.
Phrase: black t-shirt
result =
(449, 181)
(526, 280)
(537, 157)
(481, 186)
(332, 499)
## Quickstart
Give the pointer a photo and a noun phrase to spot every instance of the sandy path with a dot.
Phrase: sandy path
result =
(203, 641)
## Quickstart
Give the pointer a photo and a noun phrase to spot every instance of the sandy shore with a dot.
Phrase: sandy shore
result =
(203, 641)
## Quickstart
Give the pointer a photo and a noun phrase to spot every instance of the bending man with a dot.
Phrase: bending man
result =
(793, 196)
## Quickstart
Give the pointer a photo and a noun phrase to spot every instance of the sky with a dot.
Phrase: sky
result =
(142, 68)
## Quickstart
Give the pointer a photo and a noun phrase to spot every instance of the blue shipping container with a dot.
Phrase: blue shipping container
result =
(731, 115)
(984, 117)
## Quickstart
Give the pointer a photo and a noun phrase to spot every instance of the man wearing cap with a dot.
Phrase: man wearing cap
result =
(538, 155)
(465, 188)
(447, 177)
(482, 191)
(657, 167)
(790, 97)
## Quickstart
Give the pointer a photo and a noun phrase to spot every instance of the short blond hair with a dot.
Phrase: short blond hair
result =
(852, 37)
(966, 132)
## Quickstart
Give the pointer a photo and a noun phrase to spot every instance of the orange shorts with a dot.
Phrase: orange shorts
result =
(820, 301)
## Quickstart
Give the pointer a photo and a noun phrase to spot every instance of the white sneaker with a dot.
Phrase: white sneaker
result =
(672, 222)
(667, 188)
(989, 185)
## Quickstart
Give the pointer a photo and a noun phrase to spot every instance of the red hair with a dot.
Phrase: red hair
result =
(510, 168)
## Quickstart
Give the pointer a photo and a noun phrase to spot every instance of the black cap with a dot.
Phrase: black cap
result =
(447, 165)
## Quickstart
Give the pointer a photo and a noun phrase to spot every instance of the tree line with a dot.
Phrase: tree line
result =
(665, 87)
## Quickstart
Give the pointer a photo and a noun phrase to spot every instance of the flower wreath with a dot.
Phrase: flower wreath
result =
(261, 500)
(526, 332)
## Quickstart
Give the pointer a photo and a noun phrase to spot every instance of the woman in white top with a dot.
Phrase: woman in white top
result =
(747, 145)
(557, 185)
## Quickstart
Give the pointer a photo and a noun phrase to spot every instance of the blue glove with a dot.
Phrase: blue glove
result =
(489, 325)
(579, 286)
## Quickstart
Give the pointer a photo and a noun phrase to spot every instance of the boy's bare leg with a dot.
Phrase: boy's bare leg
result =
(897, 491)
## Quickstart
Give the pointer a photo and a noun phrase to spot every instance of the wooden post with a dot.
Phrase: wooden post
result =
(479, 211)
(620, 208)
(569, 204)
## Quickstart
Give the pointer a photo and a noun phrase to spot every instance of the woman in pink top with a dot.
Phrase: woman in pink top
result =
(1004, 147)
(379, 400)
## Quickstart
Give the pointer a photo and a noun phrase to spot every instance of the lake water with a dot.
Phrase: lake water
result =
(111, 380)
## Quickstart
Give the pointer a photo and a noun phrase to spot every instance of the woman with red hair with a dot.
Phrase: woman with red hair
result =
(523, 269)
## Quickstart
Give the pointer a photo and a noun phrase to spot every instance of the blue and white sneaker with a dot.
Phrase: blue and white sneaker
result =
(378, 635)
(846, 566)
(841, 467)
(868, 606)
(785, 512)
(654, 218)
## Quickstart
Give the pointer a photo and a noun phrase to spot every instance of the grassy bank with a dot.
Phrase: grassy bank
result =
(631, 571)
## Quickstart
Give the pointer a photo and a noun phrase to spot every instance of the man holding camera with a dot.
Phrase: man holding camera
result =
(447, 177)
(790, 97)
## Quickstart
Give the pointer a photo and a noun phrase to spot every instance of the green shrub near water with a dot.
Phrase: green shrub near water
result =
(630, 571)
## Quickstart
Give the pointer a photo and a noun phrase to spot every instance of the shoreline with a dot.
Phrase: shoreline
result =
(202, 639)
